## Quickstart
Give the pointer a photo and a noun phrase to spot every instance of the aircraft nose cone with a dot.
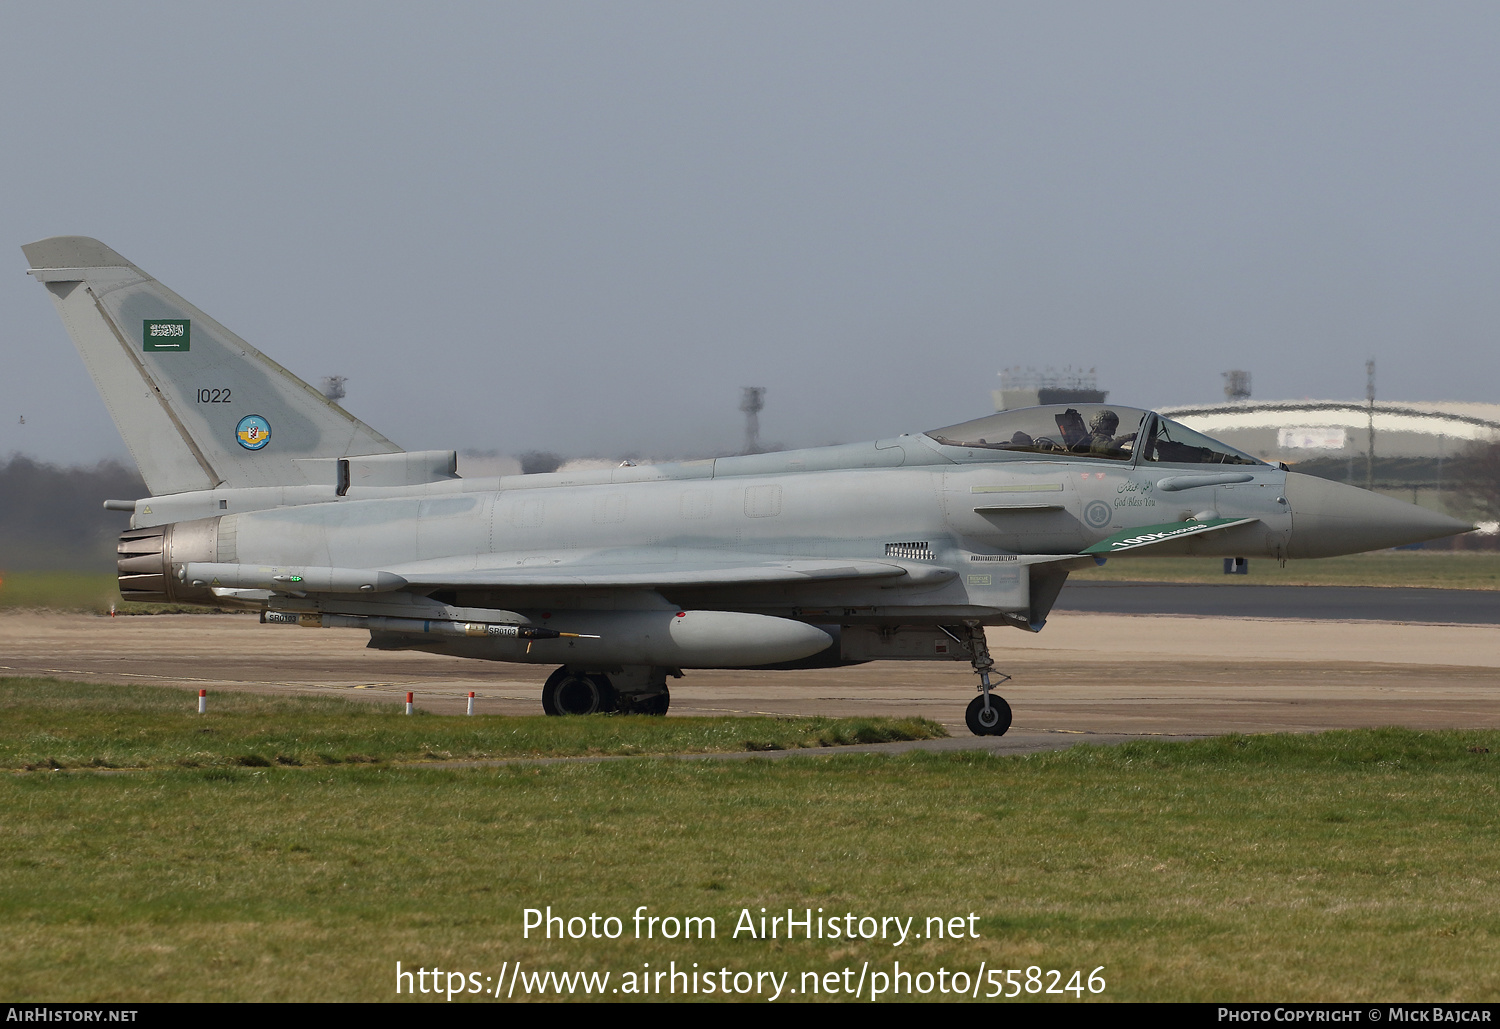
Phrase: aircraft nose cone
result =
(1331, 518)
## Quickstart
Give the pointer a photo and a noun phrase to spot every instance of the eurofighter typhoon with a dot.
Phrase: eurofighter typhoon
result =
(267, 495)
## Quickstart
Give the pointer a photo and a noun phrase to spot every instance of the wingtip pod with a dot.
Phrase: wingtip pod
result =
(71, 252)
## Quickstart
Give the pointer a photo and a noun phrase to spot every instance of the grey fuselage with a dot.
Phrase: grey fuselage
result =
(973, 534)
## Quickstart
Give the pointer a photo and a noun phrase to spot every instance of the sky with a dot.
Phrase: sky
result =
(582, 227)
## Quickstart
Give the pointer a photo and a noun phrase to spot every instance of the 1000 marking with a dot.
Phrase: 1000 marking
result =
(213, 396)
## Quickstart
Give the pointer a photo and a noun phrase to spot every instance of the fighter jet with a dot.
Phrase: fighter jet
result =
(266, 494)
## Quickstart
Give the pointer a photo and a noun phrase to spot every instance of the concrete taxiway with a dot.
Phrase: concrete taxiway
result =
(1087, 677)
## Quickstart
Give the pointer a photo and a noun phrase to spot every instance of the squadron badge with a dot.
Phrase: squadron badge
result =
(253, 432)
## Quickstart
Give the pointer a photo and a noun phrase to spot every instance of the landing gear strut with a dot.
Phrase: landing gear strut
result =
(988, 713)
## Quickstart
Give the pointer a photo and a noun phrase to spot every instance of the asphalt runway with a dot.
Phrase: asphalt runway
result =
(1085, 678)
(1328, 603)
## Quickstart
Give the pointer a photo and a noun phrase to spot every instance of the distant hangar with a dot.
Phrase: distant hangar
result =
(1303, 430)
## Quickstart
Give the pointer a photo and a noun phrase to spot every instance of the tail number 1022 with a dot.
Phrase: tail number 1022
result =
(213, 396)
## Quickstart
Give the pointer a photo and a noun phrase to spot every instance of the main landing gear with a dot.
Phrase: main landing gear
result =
(630, 691)
(577, 693)
(988, 714)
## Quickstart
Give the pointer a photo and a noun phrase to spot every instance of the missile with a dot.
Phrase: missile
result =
(437, 627)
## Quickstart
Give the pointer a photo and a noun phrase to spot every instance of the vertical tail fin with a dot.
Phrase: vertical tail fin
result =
(198, 406)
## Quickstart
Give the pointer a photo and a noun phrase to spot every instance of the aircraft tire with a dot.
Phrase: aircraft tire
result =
(643, 703)
(574, 693)
(656, 705)
(994, 722)
(609, 698)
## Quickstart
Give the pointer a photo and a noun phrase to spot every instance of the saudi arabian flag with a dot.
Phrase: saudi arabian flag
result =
(158, 334)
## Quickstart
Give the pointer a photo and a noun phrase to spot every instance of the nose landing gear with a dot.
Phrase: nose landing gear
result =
(988, 714)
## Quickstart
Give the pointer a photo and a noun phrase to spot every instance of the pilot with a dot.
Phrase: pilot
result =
(1104, 424)
(1102, 439)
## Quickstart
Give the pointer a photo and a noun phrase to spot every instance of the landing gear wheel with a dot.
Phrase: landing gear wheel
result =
(654, 705)
(644, 703)
(574, 693)
(992, 722)
(609, 697)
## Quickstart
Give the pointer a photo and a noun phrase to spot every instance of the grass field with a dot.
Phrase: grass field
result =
(75, 591)
(55, 724)
(1343, 866)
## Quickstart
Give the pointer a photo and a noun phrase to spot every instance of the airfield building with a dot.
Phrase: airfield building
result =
(1028, 387)
(1413, 450)
(1296, 431)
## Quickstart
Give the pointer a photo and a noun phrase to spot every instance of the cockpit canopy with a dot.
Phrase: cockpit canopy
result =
(1103, 431)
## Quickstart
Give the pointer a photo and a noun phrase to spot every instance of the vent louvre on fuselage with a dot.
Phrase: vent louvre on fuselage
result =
(909, 551)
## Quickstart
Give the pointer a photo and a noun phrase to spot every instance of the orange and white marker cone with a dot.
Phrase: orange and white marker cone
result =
(408, 703)
(202, 701)
(471, 702)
